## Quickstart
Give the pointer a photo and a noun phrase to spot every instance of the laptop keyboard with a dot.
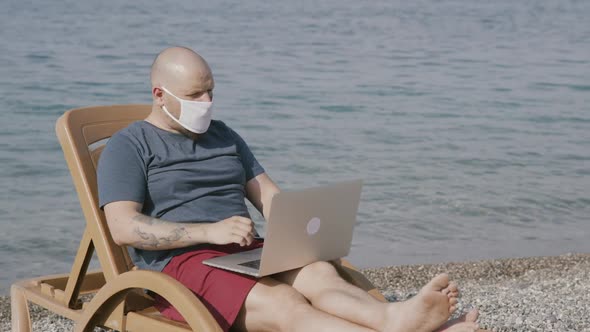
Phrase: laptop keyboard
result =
(253, 264)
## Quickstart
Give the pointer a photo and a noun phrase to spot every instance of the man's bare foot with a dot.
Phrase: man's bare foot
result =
(426, 311)
(464, 327)
(452, 291)
(462, 323)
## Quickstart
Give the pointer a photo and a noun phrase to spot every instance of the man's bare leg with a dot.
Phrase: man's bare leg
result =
(275, 306)
(327, 291)
(468, 319)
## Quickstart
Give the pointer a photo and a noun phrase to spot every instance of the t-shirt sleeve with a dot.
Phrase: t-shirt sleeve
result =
(121, 172)
(249, 162)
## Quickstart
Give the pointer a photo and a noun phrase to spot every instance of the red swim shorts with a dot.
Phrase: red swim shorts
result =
(222, 292)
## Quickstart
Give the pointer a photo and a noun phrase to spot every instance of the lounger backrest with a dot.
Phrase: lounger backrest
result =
(82, 134)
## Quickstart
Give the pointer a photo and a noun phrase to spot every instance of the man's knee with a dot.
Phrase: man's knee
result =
(271, 306)
(315, 279)
(320, 271)
(285, 297)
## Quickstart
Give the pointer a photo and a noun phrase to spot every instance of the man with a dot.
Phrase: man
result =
(173, 188)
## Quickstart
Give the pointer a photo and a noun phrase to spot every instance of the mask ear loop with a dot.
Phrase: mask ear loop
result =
(170, 93)
(173, 118)
(170, 114)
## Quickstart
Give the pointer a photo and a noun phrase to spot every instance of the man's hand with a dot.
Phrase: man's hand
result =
(231, 230)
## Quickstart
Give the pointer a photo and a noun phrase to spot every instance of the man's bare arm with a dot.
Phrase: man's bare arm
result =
(260, 191)
(130, 227)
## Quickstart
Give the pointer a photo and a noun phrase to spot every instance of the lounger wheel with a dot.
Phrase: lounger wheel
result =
(114, 292)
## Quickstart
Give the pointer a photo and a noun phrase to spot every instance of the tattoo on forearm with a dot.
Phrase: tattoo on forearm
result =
(150, 240)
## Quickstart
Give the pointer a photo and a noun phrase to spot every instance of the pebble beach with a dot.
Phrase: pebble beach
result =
(518, 294)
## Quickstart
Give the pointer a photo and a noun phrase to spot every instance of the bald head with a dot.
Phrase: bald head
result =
(181, 70)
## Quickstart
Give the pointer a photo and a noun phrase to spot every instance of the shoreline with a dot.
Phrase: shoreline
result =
(514, 294)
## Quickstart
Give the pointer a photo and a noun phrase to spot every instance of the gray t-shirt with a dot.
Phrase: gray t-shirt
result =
(176, 178)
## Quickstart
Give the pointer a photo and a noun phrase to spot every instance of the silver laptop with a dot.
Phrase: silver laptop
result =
(303, 227)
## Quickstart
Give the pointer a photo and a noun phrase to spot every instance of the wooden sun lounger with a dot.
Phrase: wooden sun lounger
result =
(119, 301)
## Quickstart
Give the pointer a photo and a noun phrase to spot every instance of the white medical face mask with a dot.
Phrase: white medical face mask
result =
(195, 116)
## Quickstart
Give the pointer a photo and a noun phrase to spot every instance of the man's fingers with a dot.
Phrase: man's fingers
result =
(250, 239)
(243, 227)
(239, 240)
(240, 232)
(247, 237)
(243, 220)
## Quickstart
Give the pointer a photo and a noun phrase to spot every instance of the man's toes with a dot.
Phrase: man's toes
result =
(453, 294)
(453, 301)
(472, 315)
(463, 327)
(452, 309)
(439, 282)
(453, 286)
(459, 322)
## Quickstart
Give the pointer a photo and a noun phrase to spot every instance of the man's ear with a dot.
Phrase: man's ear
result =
(158, 95)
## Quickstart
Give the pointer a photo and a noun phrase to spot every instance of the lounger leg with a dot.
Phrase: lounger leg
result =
(21, 321)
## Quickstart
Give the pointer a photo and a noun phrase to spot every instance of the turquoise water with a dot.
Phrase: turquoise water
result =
(469, 121)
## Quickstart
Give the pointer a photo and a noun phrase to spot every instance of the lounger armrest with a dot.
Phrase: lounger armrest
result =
(115, 292)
